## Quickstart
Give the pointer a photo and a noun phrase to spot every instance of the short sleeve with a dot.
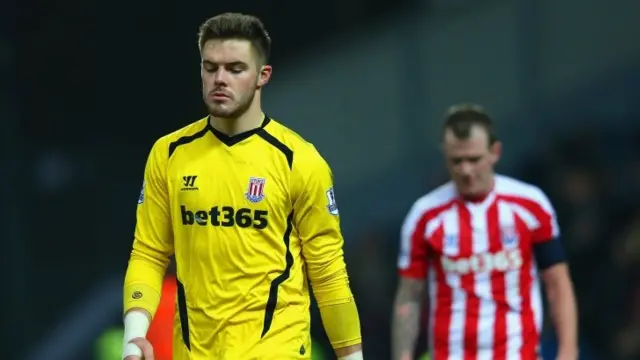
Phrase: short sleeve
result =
(548, 227)
(535, 209)
(541, 216)
(545, 232)
(412, 257)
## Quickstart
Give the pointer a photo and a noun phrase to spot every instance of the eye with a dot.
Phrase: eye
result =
(209, 68)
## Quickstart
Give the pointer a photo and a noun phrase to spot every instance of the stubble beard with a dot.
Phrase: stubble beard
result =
(232, 112)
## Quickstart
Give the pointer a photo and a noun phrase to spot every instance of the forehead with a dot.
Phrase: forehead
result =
(476, 143)
(228, 50)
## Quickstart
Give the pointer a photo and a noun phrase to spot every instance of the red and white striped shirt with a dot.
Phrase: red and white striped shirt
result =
(484, 294)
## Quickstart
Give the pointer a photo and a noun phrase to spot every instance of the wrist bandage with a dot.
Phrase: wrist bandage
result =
(136, 325)
(354, 356)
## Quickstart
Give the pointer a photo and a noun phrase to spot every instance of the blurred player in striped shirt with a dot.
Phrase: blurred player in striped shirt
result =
(478, 244)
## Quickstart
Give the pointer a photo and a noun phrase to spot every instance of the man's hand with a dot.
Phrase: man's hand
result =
(145, 346)
(136, 324)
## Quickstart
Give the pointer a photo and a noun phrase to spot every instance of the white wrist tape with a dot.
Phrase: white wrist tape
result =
(354, 356)
(136, 325)
(131, 350)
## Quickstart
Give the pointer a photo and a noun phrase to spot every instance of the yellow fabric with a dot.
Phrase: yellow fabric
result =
(341, 323)
(243, 252)
(319, 227)
(153, 243)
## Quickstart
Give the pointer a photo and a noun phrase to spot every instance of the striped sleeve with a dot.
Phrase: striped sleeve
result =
(535, 208)
(548, 227)
(413, 253)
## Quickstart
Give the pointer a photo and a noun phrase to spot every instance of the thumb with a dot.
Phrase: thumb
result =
(145, 346)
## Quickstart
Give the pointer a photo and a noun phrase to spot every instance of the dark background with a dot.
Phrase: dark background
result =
(88, 86)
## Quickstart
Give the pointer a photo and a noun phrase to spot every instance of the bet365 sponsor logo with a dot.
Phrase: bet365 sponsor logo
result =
(226, 216)
(502, 261)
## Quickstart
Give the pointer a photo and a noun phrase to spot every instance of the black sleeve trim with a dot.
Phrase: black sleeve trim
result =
(186, 139)
(548, 253)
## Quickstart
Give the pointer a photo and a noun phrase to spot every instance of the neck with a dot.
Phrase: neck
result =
(476, 198)
(480, 195)
(248, 120)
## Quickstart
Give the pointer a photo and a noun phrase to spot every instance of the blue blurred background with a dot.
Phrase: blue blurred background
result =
(87, 86)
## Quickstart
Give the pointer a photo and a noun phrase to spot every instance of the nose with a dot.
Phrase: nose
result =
(465, 168)
(220, 77)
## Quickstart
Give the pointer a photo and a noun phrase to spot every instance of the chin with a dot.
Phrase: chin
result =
(468, 191)
(220, 112)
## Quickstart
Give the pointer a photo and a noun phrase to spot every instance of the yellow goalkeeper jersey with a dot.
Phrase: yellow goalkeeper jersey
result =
(247, 217)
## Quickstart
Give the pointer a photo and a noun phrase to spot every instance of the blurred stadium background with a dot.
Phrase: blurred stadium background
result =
(87, 86)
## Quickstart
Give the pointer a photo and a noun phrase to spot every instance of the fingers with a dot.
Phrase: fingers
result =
(148, 352)
(145, 346)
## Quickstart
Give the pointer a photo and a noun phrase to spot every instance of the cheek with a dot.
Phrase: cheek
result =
(458, 172)
(247, 85)
(206, 79)
(484, 166)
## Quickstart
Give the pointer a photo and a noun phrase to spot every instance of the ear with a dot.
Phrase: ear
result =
(264, 76)
(496, 151)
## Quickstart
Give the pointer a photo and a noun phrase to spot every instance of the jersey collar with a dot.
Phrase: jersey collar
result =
(232, 140)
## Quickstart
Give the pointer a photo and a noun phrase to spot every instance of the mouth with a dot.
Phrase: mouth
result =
(465, 180)
(219, 95)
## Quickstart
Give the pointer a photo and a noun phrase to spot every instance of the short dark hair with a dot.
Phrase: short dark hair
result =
(461, 118)
(237, 26)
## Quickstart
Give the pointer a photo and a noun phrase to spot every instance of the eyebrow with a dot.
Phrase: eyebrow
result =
(459, 158)
(233, 63)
